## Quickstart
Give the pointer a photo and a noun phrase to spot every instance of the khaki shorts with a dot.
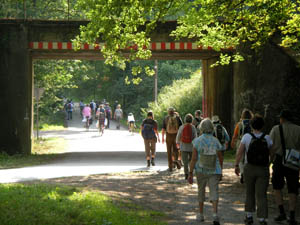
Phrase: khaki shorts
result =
(212, 180)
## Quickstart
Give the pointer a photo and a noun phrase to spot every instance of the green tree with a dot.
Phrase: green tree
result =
(217, 23)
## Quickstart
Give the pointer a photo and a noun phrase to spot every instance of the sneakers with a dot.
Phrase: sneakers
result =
(248, 220)
(199, 218)
(280, 218)
(148, 163)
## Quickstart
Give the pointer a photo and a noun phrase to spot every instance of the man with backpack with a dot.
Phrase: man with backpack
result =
(151, 136)
(197, 120)
(70, 109)
(108, 113)
(171, 124)
(241, 128)
(186, 134)
(256, 148)
(221, 133)
(286, 137)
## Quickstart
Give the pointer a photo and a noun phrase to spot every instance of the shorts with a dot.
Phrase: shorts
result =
(280, 172)
(213, 184)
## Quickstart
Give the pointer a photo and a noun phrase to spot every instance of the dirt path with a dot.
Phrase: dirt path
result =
(155, 189)
(169, 193)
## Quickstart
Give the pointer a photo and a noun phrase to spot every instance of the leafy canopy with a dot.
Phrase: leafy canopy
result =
(217, 23)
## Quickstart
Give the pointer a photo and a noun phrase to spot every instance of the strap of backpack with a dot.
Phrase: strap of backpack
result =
(282, 142)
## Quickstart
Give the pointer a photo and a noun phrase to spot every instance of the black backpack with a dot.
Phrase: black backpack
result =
(246, 128)
(148, 131)
(219, 133)
(258, 151)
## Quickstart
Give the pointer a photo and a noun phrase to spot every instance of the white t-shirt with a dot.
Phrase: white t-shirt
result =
(131, 118)
(247, 139)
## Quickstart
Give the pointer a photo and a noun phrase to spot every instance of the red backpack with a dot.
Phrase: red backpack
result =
(186, 135)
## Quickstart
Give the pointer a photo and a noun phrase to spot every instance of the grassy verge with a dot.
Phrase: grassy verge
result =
(44, 151)
(61, 205)
(52, 122)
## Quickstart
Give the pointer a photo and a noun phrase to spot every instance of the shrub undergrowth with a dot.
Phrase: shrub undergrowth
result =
(184, 95)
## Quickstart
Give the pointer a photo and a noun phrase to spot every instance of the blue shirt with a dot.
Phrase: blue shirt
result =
(210, 142)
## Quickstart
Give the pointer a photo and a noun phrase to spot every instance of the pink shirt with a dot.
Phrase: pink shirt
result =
(86, 111)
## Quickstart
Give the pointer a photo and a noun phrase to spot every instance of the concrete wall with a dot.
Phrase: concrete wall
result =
(218, 91)
(15, 90)
(266, 83)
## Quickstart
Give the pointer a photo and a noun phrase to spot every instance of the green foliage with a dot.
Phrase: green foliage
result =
(217, 23)
(184, 95)
(60, 205)
(39, 9)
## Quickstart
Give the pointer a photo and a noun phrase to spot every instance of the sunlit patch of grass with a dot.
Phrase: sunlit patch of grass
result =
(60, 205)
(49, 146)
(46, 127)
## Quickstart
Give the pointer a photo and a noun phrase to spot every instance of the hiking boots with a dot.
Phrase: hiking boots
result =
(178, 164)
(152, 162)
(280, 218)
(248, 220)
(148, 163)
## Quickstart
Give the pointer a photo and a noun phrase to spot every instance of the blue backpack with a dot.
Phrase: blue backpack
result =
(148, 131)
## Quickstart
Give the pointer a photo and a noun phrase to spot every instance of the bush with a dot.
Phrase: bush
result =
(184, 95)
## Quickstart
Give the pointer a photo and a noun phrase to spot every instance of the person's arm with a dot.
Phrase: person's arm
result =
(238, 158)
(227, 138)
(221, 158)
(163, 130)
(178, 137)
(156, 132)
(192, 165)
(235, 136)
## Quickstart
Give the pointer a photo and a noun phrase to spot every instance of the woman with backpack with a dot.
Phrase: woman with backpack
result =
(241, 128)
(255, 146)
(151, 136)
(207, 160)
(186, 134)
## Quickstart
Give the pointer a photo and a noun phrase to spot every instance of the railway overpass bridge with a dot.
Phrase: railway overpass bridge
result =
(255, 83)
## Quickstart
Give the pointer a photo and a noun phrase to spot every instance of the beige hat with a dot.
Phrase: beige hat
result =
(215, 119)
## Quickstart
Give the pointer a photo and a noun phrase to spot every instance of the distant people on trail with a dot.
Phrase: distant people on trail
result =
(285, 137)
(118, 116)
(115, 105)
(101, 114)
(186, 134)
(197, 120)
(87, 115)
(149, 130)
(255, 146)
(207, 160)
(131, 122)
(241, 128)
(81, 106)
(220, 132)
(171, 124)
(69, 108)
(93, 107)
(108, 114)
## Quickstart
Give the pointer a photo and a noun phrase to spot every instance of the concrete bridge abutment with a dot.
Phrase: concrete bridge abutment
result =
(16, 90)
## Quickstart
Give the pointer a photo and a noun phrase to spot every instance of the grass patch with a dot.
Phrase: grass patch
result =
(229, 155)
(44, 151)
(61, 205)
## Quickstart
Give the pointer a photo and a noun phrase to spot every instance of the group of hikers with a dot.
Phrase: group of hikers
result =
(200, 144)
